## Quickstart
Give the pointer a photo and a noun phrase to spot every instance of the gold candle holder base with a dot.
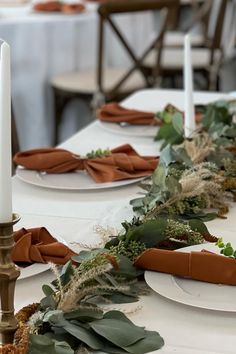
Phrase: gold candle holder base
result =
(9, 272)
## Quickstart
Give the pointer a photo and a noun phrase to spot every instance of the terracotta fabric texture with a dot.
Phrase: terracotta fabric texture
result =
(114, 113)
(37, 245)
(123, 163)
(57, 6)
(203, 266)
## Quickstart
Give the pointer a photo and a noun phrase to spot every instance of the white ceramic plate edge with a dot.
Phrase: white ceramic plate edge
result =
(165, 285)
(32, 177)
(33, 269)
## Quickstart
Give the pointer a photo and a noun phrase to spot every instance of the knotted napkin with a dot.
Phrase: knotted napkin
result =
(203, 266)
(123, 163)
(57, 6)
(114, 113)
(37, 245)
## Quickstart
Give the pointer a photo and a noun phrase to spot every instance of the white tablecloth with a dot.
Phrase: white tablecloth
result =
(44, 45)
(72, 215)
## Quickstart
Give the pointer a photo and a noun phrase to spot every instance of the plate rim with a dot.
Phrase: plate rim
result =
(169, 283)
(101, 186)
(31, 271)
(108, 127)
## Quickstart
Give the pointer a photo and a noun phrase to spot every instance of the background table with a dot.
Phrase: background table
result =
(72, 216)
(44, 45)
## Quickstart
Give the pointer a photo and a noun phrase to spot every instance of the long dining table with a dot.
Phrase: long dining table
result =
(72, 216)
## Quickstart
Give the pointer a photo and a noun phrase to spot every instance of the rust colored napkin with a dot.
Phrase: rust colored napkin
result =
(38, 246)
(203, 266)
(123, 163)
(49, 6)
(57, 6)
(114, 113)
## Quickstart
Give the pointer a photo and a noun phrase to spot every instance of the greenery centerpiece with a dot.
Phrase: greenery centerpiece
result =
(193, 183)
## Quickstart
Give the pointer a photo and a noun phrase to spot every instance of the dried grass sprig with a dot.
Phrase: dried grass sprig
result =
(69, 298)
(201, 181)
(56, 272)
(199, 147)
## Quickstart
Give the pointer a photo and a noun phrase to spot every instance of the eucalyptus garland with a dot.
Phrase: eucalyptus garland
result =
(193, 183)
(195, 177)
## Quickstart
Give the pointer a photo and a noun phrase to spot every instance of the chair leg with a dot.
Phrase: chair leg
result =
(60, 102)
(97, 101)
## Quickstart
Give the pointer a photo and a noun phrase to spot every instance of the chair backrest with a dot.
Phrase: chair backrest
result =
(215, 23)
(106, 13)
(211, 15)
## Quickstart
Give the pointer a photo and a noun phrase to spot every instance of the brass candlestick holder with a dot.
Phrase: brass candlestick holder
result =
(9, 272)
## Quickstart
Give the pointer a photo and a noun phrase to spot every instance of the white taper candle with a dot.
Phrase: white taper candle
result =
(189, 114)
(5, 135)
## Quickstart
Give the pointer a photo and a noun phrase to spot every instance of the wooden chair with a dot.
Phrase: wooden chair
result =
(207, 53)
(107, 84)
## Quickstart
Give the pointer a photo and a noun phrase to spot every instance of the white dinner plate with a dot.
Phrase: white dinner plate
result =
(194, 293)
(156, 101)
(79, 181)
(33, 269)
(145, 131)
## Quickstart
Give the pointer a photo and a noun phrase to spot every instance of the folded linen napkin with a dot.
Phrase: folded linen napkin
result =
(203, 266)
(37, 245)
(123, 163)
(57, 6)
(49, 6)
(114, 113)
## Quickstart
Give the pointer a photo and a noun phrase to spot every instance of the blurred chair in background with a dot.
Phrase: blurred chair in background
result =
(207, 49)
(111, 83)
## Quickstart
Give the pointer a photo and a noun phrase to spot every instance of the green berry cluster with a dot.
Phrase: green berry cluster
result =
(230, 167)
(177, 230)
(226, 248)
(94, 154)
(192, 205)
(132, 249)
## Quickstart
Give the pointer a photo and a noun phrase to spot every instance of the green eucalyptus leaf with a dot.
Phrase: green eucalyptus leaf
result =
(63, 348)
(84, 314)
(84, 335)
(177, 122)
(159, 175)
(121, 298)
(85, 256)
(126, 268)
(151, 233)
(168, 133)
(199, 226)
(48, 303)
(173, 186)
(39, 344)
(51, 314)
(167, 155)
(152, 341)
(118, 315)
(47, 290)
(66, 274)
(118, 332)
(40, 340)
